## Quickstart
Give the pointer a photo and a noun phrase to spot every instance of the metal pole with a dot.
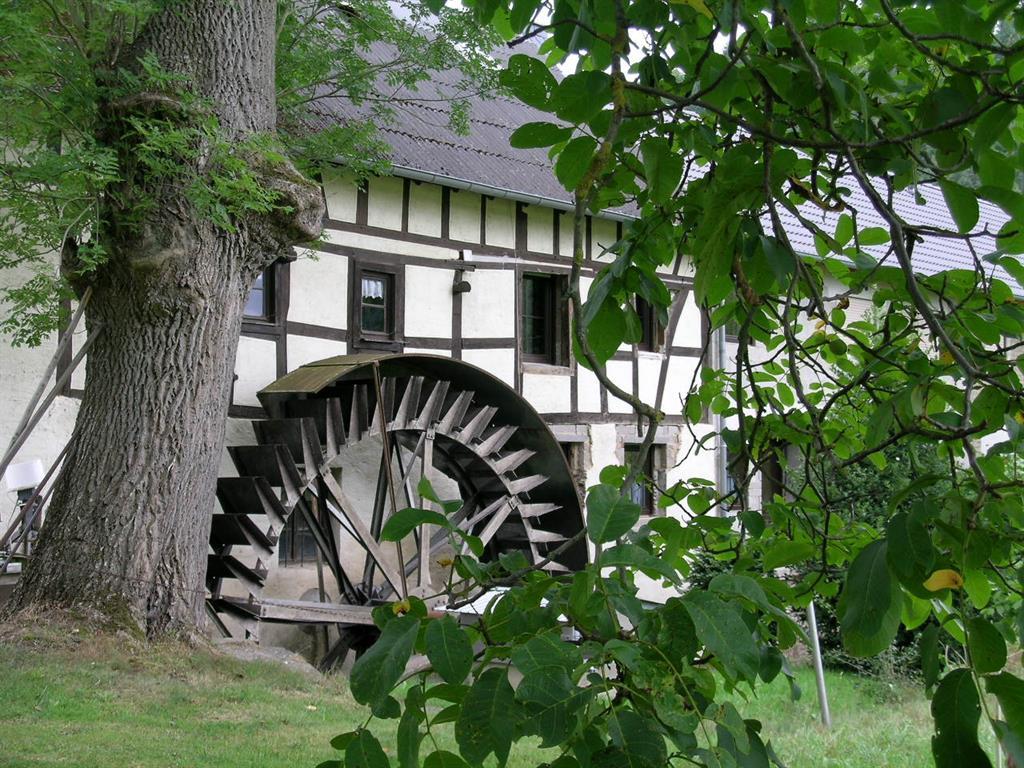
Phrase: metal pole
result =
(819, 670)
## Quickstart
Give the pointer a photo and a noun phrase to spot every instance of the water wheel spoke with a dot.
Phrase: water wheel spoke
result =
(345, 510)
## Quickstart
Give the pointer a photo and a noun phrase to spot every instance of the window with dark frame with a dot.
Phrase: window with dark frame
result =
(651, 331)
(259, 304)
(377, 305)
(644, 490)
(543, 307)
(297, 545)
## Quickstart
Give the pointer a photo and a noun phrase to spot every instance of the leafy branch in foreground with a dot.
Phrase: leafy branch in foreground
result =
(793, 157)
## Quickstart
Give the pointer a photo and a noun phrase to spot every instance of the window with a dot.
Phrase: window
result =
(297, 546)
(646, 486)
(652, 334)
(376, 314)
(259, 305)
(544, 319)
(377, 305)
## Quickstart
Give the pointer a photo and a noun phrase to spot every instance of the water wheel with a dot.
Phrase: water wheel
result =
(345, 445)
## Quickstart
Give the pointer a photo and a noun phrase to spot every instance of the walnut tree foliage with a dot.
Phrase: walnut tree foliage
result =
(734, 126)
(64, 87)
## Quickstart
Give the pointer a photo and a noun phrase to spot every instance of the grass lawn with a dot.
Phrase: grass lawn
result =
(94, 701)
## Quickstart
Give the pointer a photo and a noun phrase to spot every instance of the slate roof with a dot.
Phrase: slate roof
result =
(423, 143)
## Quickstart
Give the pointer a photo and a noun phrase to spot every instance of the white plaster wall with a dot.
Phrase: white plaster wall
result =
(539, 229)
(428, 302)
(387, 245)
(649, 370)
(501, 223)
(588, 391)
(677, 383)
(564, 234)
(603, 451)
(488, 310)
(340, 194)
(464, 216)
(621, 373)
(255, 368)
(547, 392)
(687, 332)
(425, 209)
(602, 235)
(21, 369)
(319, 290)
(385, 203)
(305, 349)
(500, 363)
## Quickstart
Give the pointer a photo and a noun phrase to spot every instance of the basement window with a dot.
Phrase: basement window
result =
(297, 546)
(545, 320)
(645, 489)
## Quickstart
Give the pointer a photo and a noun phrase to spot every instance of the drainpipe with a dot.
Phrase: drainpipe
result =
(722, 463)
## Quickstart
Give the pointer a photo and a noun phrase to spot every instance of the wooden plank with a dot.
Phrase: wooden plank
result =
(309, 612)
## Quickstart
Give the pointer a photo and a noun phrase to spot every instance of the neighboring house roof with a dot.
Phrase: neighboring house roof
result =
(424, 146)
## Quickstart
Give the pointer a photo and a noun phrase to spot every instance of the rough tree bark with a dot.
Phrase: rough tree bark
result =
(129, 521)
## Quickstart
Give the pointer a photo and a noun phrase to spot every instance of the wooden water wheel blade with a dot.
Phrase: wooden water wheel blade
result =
(539, 536)
(537, 510)
(432, 406)
(525, 484)
(298, 435)
(477, 424)
(496, 440)
(455, 413)
(228, 530)
(409, 403)
(251, 496)
(512, 461)
(274, 463)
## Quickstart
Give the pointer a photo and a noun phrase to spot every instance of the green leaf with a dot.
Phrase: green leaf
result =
(409, 738)
(404, 521)
(486, 721)
(663, 169)
(721, 629)
(364, 751)
(609, 514)
(376, 672)
(929, 649)
(986, 645)
(444, 759)
(992, 124)
(956, 709)
(787, 552)
(607, 330)
(870, 605)
(637, 557)
(642, 744)
(873, 236)
(910, 551)
(1009, 690)
(533, 135)
(449, 649)
(962, 204)
(529, 80)
(580, 96)
(574, 160)
(844, 229)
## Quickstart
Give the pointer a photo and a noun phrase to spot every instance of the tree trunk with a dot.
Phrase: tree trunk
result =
(129, 521)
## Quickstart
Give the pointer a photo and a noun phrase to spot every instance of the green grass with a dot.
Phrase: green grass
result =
(88, 701)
